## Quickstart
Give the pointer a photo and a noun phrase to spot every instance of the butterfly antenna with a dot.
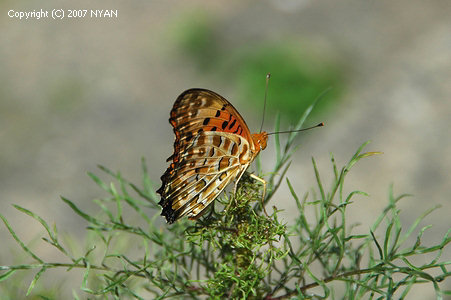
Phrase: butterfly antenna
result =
(303, 129)
(264, 102)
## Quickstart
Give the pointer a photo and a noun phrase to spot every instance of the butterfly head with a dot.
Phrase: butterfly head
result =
(260, 140)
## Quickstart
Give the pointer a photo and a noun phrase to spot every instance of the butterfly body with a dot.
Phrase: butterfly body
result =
(213, 146)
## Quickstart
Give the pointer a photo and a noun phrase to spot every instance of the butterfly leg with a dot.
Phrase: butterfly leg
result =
(264, 191)
(238, 177)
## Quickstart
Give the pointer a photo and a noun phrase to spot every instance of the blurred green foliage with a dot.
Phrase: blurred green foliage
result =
(297, 79)
(300, 70)
(195, 36)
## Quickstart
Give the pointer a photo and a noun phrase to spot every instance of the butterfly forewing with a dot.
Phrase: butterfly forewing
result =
(212, 147)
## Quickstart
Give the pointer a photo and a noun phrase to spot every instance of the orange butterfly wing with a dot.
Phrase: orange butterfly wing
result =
(212, 146)
(198, 110)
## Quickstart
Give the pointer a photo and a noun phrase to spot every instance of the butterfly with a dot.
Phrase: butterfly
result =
(213, 146)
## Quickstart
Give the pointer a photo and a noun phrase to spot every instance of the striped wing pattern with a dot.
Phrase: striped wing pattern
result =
(212, 147)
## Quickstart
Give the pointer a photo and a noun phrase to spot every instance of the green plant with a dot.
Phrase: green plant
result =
(235, 251)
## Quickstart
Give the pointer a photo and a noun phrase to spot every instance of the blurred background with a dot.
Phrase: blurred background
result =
(75, 93)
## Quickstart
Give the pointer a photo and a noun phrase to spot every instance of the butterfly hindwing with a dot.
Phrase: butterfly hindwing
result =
(206, 166)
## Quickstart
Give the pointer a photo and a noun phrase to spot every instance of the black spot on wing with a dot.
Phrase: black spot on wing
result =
(232, 124)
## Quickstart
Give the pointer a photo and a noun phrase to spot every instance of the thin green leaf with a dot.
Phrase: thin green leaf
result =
(79, 212)
(417, 222)
(84, 285)
(350, 195)
(35, 280)
(37, 218)
(18, 240)
(388, 232)
(99, 182)
(6, 275)
(118, 199)
(318, 180)
(381, 253)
